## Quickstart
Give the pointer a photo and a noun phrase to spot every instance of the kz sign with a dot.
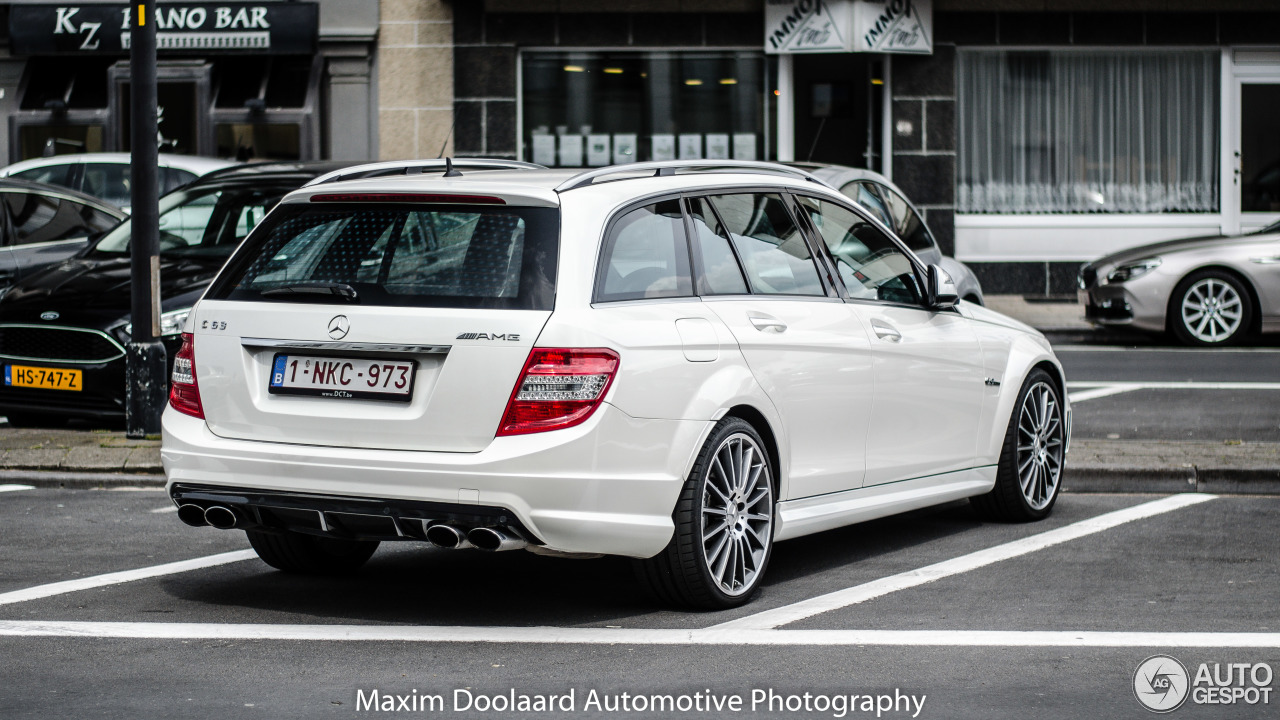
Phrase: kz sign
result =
(828, 26)
(71, 28)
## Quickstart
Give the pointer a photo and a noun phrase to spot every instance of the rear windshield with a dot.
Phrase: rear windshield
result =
(399, 255)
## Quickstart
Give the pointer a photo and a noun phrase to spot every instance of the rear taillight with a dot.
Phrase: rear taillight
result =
(184, 392)
(558, 388)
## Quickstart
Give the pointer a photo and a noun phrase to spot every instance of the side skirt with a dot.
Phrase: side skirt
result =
(805, 516)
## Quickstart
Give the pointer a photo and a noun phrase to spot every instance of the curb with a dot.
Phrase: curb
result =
(81, 480)
(1119, 478)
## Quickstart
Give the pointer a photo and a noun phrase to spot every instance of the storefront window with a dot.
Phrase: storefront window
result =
(45, 140)
(1088, 132)
(598, 108)
(260, 141)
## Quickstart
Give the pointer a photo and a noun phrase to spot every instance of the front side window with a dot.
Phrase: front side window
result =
(60, 174)
(108, 181)
(1088, 131)
(909, 226)
(773, 250)
(647, 256)
(870, 264)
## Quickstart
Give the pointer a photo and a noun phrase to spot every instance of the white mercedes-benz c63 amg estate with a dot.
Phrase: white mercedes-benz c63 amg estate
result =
(681, 363)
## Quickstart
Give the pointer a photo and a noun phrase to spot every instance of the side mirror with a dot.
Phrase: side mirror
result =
(942, 290)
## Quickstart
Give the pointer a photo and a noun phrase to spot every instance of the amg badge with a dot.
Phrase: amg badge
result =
(510, 337)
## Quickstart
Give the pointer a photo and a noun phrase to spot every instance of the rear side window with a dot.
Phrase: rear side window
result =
(400, 255)
(776, 258)
(40, 218)
(108, 181)
(646, 255)
(720, 270)
(51, 174)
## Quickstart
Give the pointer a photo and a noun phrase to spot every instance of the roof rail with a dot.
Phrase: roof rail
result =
(669, 167)
(409, 167)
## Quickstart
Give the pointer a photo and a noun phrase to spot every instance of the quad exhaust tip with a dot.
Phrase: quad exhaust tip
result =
(223, 518)
(192, 515)
(495, 539)
(447, 537)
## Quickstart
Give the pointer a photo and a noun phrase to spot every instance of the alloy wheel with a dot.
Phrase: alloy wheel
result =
(737, 514)
(1040, 446)
(1212, 310)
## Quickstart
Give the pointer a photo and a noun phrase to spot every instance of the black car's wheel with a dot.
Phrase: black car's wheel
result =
(1031, 459)
(309, 555)
(723, 525)
(1210, 307)
(34, 420)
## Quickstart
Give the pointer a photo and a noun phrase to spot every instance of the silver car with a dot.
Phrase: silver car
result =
(1204, 290)
(890, 205)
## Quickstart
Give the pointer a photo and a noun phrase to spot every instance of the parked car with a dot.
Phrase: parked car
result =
(681, 363)
(890, 205)
(43, 224)
(73, 318)
(106, 175)
(1207, 291)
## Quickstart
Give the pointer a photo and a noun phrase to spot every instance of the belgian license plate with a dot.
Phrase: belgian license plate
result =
(342, 377)
(44, 378)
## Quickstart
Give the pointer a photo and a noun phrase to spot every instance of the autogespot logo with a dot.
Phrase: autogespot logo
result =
(1160, 683)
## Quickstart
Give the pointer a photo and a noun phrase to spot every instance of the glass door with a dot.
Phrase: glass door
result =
(1256, 171)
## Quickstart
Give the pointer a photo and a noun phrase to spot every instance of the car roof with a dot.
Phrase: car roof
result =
(299, 171)
(839, 175)
(62, 192)
(192, 163)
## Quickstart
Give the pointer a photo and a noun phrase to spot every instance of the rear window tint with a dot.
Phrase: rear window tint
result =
(646, 255)
(400, 255)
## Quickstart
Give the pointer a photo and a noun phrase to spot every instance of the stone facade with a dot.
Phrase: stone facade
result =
(415, 79)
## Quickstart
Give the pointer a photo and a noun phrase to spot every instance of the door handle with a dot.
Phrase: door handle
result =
(767, 323)
(885, 331)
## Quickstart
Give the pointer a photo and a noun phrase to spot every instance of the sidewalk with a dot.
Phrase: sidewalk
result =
(1043, 316)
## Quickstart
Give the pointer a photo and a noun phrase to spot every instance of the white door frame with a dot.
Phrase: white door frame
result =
(1241, 66)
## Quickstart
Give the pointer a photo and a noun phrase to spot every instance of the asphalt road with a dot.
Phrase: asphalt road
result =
(546, 624)
(1175, 393)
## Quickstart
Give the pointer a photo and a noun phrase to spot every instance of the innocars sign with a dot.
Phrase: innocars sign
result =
(103, 29)
(830, 26)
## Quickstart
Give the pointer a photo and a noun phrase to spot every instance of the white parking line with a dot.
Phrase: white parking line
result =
(115, 578)
(874, 589)
(1133, 349)
(632, 636)
(1087, 390)
(15, 488)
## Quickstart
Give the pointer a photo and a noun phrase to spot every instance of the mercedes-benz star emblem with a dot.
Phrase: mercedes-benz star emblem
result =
(339, 326)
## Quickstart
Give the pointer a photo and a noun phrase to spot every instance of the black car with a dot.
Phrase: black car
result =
(44, 224)
(63, 330)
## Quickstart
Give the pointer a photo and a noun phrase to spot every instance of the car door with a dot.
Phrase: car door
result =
(49, 228)
(928, 371)
(8, 266)
(809, 355)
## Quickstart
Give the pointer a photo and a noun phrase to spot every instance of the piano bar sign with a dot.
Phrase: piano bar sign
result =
(100, 29)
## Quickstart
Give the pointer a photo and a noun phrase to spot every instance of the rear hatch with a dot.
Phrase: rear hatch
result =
(377, 321)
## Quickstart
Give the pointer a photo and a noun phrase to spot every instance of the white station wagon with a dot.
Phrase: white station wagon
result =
(682, 363)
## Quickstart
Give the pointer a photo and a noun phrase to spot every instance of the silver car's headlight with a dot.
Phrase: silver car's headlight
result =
(1131, 270)
(170, 323)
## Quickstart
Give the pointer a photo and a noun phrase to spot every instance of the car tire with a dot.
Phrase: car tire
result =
(1029, 473)
(35, 420)
(1210, 308)
(725, 569)
(309, 555)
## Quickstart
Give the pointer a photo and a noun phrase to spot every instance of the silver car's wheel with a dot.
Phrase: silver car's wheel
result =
(1029, 473)
(1040, 445)
(723, 524)
(1210, 307)
(737, 514)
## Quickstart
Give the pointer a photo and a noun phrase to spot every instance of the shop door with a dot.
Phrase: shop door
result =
(838, 109)
(1255, 181)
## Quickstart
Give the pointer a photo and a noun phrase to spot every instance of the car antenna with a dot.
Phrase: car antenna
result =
(449, 170)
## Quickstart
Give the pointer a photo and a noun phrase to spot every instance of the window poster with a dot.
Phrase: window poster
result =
(664, 147)
(690, 146)
(598, 150)
(624, 148)
(744, 146)
(717, 146)
(570, 150)
(544, 149)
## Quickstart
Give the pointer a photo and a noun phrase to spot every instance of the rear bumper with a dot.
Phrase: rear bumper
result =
(606, 486)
